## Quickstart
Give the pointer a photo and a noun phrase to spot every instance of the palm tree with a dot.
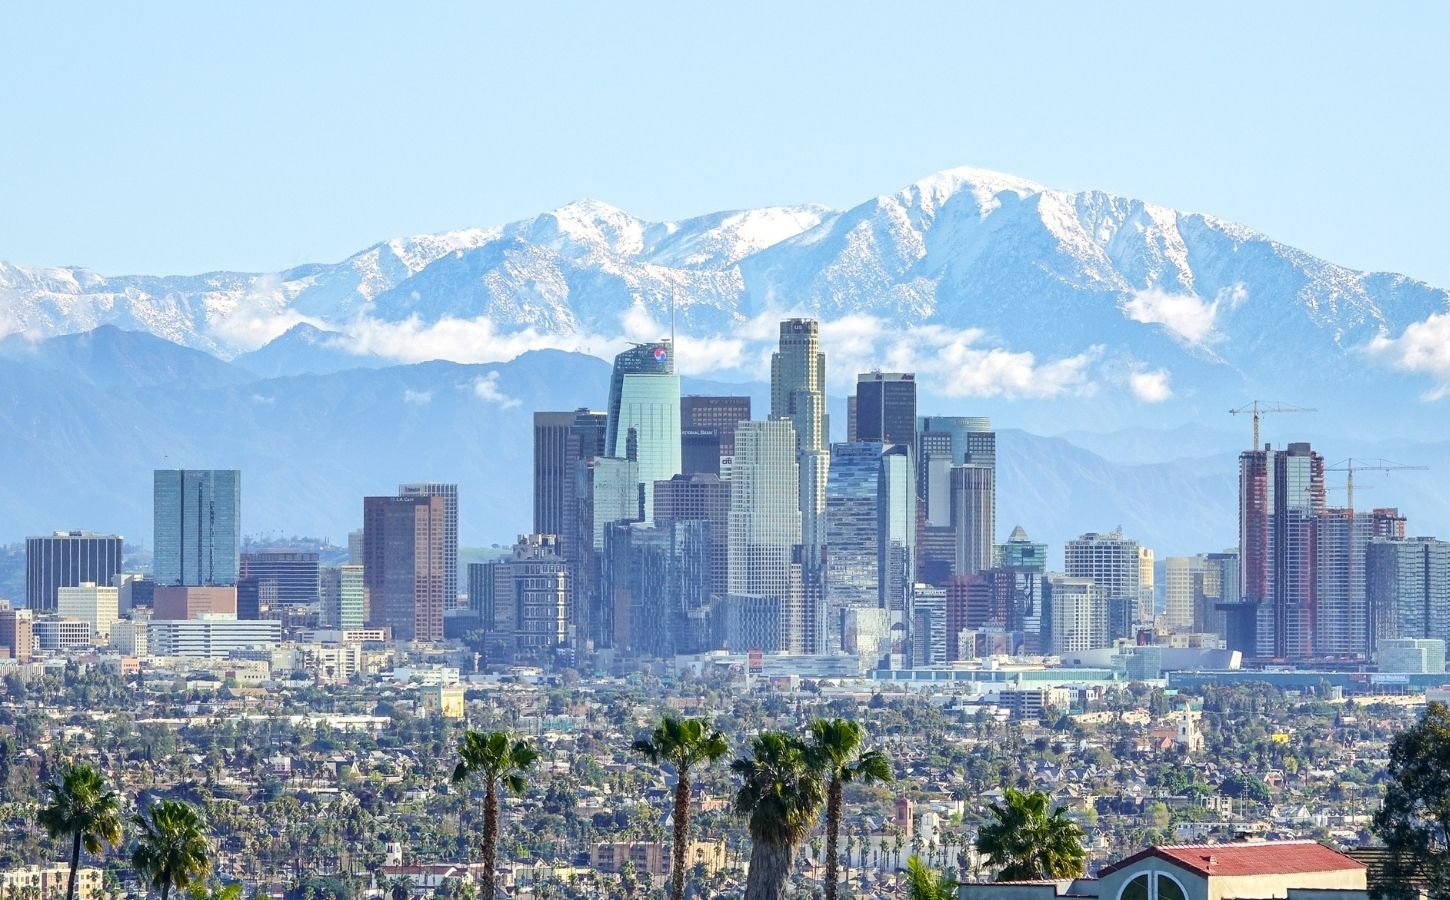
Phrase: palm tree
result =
(1027, 842)
(835, 751)
(924, 884)
(683, 743)
(82, 808)
(500, 762)
(171, 851)
(781, 796)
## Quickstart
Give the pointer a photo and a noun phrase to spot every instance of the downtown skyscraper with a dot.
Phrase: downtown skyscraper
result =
(449, 494)
(197, 517)
(644, 415)
(1281, 498)
(403, 565)
(67, 559)
(766, 608)
(798, 394)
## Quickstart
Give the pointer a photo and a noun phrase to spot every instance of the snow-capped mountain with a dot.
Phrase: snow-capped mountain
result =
(993, 286)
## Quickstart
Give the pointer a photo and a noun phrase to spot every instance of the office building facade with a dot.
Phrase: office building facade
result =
(523, 600)
(644, 415)
(449, 494)
(1075, 616)
(764, 576)
(197, 526)
(1281, 498)
(403, 565)
(886, 408)
(68, 559)
(1111, 561)
(657, 582)
(717, 414)
(1407, 587)
(17, 632)
(97, 605)
(294, 573)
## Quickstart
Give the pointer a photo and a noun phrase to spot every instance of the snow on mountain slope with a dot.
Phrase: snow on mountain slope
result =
(994, 263)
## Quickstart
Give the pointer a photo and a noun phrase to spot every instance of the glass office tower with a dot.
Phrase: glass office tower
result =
(197, 526)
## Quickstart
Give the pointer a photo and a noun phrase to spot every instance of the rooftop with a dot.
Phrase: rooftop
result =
(1251, 858)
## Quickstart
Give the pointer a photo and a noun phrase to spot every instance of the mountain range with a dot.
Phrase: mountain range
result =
(1106, 336)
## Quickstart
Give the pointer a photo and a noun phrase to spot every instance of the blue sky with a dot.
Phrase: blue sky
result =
(183, 138)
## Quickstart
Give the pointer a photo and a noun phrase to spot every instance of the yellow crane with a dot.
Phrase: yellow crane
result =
(1258, 408)
(1350, 466)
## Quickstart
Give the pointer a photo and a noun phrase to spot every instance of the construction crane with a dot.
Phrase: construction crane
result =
(1350, 466)
(1258, 408)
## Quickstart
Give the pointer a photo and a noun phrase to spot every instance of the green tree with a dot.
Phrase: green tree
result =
(171, 850)
(1027, 842)
(836, 751)
(780, 795)
(83, 809)
(683, 744)
(924, 884)
(1414, 821)
(500, 762)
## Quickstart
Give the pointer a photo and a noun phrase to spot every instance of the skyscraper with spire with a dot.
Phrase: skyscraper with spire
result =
(644, 415)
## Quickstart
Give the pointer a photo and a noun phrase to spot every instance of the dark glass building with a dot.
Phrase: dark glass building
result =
(886, 408)
(403, 565)
(68, 559)
(197, 518)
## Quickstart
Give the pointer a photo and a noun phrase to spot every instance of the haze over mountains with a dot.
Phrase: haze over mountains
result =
(1124, 327)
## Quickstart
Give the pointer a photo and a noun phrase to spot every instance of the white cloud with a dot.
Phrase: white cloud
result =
(259, 316)
(417, 398)
(959, 362)
(1151, 387)
(486, 389)
(1424, 348)
(1187, 317)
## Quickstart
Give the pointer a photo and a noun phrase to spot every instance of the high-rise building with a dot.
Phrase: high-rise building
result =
(403, 565)
(607, 489)
(98, 605)
(449, 493)
(17, 634)
(585, 442)
(657, 583)
(524, 601)
(714, 413)
(1182, 584)
(67, 559)
(941, 443)
(1341, 618)
(798, 393)
(973, 517)
(344, 598)
(1075, 615)
(197, 518)
(1281, 498)
(1020, 553)
(553, 469)
(293, 572)
(1147, 594)
(701, 498)
(561, 441)
(870, 533)
(928, 628)
(1111, 561)
(886, 408)
(765, 534)
(644, 415)
(1407, 588)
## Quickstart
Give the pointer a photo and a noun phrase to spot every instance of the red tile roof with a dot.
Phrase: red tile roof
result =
(1251, 858)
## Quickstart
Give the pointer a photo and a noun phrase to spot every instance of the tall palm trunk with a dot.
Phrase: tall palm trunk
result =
(682, 833)
(165, 889)
(490, 838)
(75, 863)
(833, 828)
(770, 867)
